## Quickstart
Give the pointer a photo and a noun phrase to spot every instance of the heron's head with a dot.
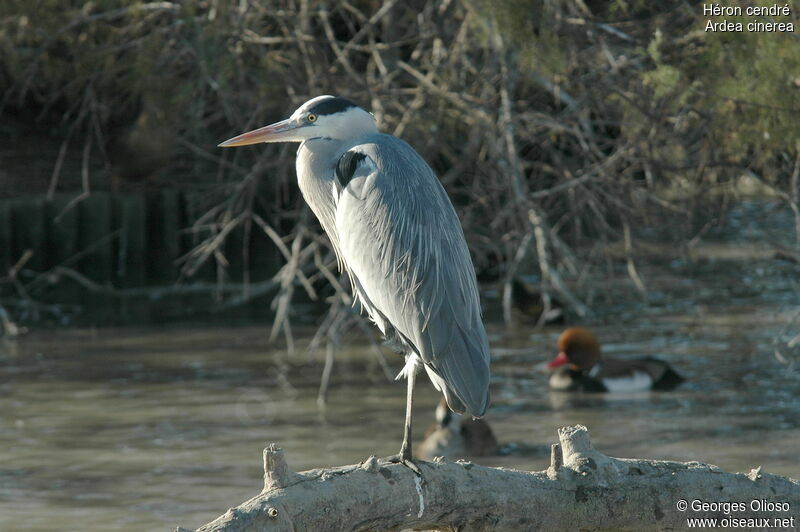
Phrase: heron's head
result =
(321, 117)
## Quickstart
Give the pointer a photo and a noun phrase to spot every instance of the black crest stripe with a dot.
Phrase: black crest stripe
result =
(347, 165)
(331, 106)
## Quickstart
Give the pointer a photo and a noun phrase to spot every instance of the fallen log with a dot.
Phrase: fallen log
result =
(582, 489)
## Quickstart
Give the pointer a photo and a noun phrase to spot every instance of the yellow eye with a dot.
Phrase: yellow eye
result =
(311, 118)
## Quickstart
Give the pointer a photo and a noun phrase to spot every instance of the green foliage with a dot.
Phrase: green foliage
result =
(751, 85)
(664, 79)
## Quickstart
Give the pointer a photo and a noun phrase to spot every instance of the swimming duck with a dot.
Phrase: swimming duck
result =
(456, 436)
(580, 366)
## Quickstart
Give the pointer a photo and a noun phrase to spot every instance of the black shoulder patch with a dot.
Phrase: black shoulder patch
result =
(331, 106)
(347, 165)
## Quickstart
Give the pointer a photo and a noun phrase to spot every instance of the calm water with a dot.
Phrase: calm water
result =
(148, 429)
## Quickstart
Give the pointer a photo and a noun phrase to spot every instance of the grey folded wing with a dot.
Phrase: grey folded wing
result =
(403, 246)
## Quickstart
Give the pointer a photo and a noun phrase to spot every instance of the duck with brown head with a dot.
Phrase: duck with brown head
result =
(581, 366)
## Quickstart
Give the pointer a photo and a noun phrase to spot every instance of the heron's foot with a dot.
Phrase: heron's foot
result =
(406, 460)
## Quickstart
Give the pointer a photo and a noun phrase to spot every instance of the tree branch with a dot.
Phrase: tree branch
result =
(582, 489)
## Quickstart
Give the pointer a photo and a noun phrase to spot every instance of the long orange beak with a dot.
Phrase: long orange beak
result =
(560, 360)
(277, 132)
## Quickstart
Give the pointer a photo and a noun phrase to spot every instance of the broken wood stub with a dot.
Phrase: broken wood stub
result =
(277, 474)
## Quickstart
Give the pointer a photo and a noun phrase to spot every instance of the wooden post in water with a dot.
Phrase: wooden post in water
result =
(264, 255)
(234, 253)
(6, 242)
(195, 205)
(62, 230)
(163, 237)
(131, 257)
(96, 238)
(63, 240)
(28, 224)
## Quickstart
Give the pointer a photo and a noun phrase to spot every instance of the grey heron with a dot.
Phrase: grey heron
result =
(397, 236)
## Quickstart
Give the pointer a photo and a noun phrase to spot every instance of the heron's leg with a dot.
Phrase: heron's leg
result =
(405, 449)
(405, 456)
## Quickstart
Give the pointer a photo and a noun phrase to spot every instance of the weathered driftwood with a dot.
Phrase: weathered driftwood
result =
(582, 489)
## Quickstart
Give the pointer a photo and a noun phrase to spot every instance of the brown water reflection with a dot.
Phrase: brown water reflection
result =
(148, 429)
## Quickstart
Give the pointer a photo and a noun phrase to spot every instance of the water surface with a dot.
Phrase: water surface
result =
(148, 429)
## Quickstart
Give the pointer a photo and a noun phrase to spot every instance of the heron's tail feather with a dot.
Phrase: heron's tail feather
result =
(463, 372)
(453, 402)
